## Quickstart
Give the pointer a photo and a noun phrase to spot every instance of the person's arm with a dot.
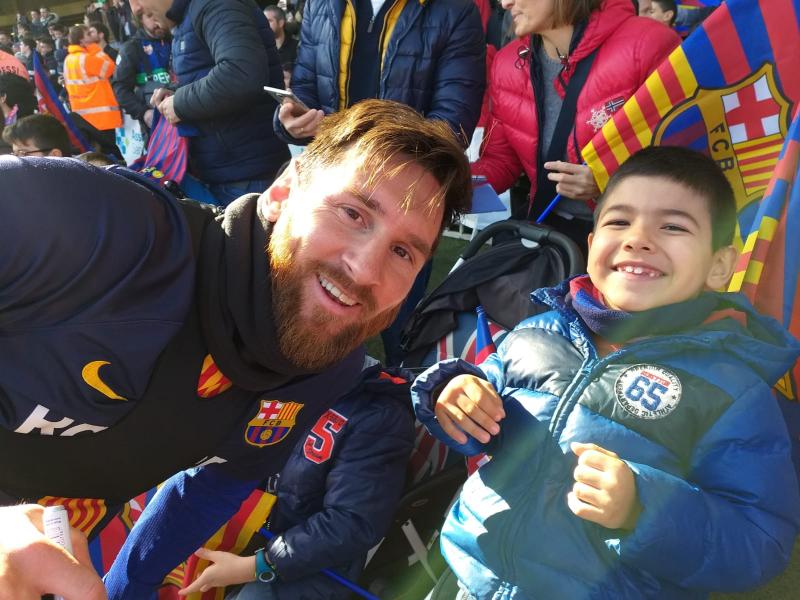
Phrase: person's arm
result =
(32, 565)
(98, 63)
(242, 65)
(189, 508)
(731, 523)
(498, 161)
(363, 488)
(304, 86)
(124, 83)
(468, 391)
(461, 76)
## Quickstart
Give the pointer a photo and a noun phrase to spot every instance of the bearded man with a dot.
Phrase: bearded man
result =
(140, 336)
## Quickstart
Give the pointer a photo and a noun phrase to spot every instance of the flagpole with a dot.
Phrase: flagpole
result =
(332, 574)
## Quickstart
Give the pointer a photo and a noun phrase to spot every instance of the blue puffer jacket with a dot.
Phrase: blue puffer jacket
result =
(691, 414)
(433, 59)
(223, 53)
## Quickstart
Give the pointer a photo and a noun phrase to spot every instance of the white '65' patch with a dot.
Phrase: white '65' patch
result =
(648, 391)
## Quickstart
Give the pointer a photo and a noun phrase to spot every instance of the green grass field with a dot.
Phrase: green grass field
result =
(783, 587)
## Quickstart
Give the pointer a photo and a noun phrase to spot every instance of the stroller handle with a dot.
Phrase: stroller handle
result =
(541, 234)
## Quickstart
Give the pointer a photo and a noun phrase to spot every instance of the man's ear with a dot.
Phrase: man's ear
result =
(722, 267)
(270, 203)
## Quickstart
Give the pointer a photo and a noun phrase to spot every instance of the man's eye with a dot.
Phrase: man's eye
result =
(352, 213)
(402, 252)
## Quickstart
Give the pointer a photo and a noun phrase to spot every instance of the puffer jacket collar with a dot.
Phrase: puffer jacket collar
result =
(757, 340)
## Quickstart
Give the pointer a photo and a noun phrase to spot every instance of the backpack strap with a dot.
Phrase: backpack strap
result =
(546, 189)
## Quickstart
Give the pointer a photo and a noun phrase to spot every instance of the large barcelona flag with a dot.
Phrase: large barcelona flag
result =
(729, 91)
(769, 266)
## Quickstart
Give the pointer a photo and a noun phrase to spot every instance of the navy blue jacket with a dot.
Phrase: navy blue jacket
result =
(223, 54)
(336, 497)
(433, 59)
(693, 416)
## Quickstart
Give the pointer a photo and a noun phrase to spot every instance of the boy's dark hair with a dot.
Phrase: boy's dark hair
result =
(666, 5)
(45, 131)
(29, 42)
(59, 27)
(692, 170)
(101, 28)
(46, 39)
(277, 12)
(19, 92)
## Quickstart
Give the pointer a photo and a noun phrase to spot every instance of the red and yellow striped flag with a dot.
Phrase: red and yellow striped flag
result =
(728, 91)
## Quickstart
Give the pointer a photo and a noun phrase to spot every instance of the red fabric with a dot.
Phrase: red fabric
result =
(485, 10)
(630, 48)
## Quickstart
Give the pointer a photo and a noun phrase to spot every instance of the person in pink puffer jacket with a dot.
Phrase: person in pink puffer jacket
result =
(528, 84)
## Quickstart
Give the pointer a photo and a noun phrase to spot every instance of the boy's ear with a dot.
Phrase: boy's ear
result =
(270, 203)
(722, 267)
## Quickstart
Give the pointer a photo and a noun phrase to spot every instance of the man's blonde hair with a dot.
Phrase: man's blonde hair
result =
(381, 132)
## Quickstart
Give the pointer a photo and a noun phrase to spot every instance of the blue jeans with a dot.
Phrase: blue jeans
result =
(255, 590)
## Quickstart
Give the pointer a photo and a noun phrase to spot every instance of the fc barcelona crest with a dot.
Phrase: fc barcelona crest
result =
(741, 127)
(273, 422)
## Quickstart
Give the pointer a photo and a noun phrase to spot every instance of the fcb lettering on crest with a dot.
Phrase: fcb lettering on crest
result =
(273, 422)
(741, 127)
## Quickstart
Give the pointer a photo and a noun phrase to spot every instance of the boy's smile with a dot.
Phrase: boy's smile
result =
(652, 246)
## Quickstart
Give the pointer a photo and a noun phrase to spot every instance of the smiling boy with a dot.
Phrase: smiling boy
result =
(640, 452)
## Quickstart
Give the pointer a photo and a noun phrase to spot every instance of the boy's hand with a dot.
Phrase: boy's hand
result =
(225, 569)
(605, 488)
(473, 405)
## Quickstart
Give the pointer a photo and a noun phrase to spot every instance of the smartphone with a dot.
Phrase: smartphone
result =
(281, 95)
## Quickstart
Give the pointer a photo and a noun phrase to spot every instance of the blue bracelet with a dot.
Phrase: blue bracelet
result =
(264, 571)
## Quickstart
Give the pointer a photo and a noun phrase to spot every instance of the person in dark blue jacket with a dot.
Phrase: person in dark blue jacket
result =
(223, 54)
(428, 54)
(335, 498)
(140, 336)
(637, 449)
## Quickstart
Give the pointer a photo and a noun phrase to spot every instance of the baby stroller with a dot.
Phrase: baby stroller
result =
(522, 257)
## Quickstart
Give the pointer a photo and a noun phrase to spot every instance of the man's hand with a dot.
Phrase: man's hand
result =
(605, 488)
(471, 404)
(225, 569)
(32, 565)
(167, 109)
(299, 124)
(159, 95)
(147, 117)
(573, 181)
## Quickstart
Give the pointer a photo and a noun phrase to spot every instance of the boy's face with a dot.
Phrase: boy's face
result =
(651, 246)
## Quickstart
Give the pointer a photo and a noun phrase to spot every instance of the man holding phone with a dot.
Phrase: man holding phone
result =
(428, 54)
(223, 54)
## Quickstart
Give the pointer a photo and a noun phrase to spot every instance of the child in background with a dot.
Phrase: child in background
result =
(335, 499)
(637, 451)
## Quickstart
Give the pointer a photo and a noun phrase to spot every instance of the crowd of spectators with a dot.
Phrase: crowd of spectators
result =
(538, 84)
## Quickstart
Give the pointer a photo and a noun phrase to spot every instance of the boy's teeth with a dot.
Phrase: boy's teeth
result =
(638, 271)
(336, 292)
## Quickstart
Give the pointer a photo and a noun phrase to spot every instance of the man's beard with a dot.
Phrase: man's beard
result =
(306, 341)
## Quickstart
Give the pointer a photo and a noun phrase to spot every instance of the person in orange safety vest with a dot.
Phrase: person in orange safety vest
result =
(87, 75)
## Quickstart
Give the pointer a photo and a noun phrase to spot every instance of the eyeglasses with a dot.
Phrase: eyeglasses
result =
(29, 152)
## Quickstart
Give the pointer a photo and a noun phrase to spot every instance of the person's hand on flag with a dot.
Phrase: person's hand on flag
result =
(605, 488)
(572, 181)
(470, 405)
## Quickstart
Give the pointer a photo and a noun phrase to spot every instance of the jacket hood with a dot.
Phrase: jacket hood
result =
(602, 23)
(733, 325)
